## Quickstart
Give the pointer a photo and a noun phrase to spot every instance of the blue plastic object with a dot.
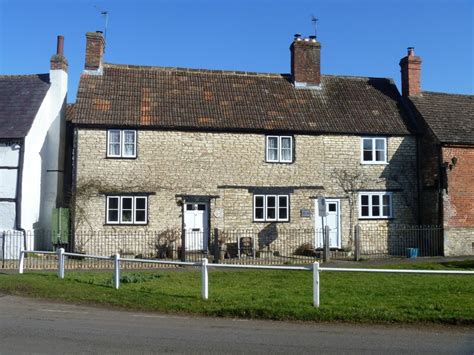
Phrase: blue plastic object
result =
(412, 252)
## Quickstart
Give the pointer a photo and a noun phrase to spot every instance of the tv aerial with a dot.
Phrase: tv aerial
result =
(105, 15)
(314, 21)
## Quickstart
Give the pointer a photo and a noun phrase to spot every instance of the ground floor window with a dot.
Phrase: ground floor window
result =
(127, 209)
(271, 208)
(375, 205)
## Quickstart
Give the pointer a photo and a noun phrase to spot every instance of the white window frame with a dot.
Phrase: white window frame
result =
(122, 198)
(279, 149)
(277, 208)
(120, 209)
(107, 210)
(380, 194)
(135, 210)
(373, 161)
(122, 144)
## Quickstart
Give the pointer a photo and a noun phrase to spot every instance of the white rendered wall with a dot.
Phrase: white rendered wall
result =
(42, 151)
(8, 183)
(7, 215)
(9, 155)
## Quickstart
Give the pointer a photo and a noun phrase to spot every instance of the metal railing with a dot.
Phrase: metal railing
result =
(204, 265)
(398, 240)
(266, 247)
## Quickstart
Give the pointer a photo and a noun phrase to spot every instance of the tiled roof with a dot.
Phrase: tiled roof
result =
(20, 99)
(224, 100)
(70, 109)
(450, 116)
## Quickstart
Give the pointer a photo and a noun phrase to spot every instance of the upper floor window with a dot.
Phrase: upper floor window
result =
(127, 209)
(121, 143)
(374, 150)
(375, 205)
(279, 149)
(271, 208)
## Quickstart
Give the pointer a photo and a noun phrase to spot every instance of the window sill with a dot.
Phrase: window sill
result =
(376, 218)
(279, 162)
(374, 163)
(121, 158)
(126, 224)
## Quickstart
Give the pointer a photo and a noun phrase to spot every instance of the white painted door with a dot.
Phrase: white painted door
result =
(333, 220)
(196, 226)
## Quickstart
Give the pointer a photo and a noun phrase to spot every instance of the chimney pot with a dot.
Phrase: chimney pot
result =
(411, 51)
(60, 45)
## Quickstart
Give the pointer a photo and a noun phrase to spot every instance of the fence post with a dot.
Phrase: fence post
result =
(117, 271)
(217, 252)
(183, 243)
(316, 284)
(356, 242)
(22, 262)
(205, 280)
(254, 247)
(238, 246)
(61, 263)
(326, 251)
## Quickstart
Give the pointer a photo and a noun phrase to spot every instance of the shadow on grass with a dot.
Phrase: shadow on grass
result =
(464, 264)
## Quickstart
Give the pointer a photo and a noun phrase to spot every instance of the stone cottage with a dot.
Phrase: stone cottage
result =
(32, 131)
(161, 149)
(447, 157)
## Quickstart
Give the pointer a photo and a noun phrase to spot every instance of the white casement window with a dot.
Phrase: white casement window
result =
(374, 150)
(279, 149)
(375, 205)
(271, 208)
(127, 209)
(121, 143)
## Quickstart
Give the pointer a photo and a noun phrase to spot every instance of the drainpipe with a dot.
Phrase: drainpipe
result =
(441, 178)
(418, 178)
(19, 188)
(73, 187)
(3, 249)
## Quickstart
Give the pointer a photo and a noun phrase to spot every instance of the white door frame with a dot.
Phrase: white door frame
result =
(205, 224)
(318, 227)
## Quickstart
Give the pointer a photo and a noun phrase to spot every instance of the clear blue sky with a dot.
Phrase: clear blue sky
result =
(365, 38)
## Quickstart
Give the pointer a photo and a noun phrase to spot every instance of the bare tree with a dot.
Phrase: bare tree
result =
(351, 182)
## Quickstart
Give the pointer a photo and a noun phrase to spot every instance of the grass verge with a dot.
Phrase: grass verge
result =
(278, 295)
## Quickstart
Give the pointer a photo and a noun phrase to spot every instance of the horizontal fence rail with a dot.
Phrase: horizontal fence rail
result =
(205, 266)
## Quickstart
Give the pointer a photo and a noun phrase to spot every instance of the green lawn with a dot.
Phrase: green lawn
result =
(281, 295)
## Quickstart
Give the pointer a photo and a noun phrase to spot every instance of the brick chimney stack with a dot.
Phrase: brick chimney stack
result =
(411, 73)
(59, 61)
(95, 46)
(306, 61)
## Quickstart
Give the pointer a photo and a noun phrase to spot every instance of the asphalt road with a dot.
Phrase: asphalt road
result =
(28, 325)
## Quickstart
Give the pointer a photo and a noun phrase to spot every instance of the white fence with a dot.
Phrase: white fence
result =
(205, 266)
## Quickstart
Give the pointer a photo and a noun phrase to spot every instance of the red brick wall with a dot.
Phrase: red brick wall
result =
(306, 62)
(94, 50)
(411, 74)
(459, 198)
